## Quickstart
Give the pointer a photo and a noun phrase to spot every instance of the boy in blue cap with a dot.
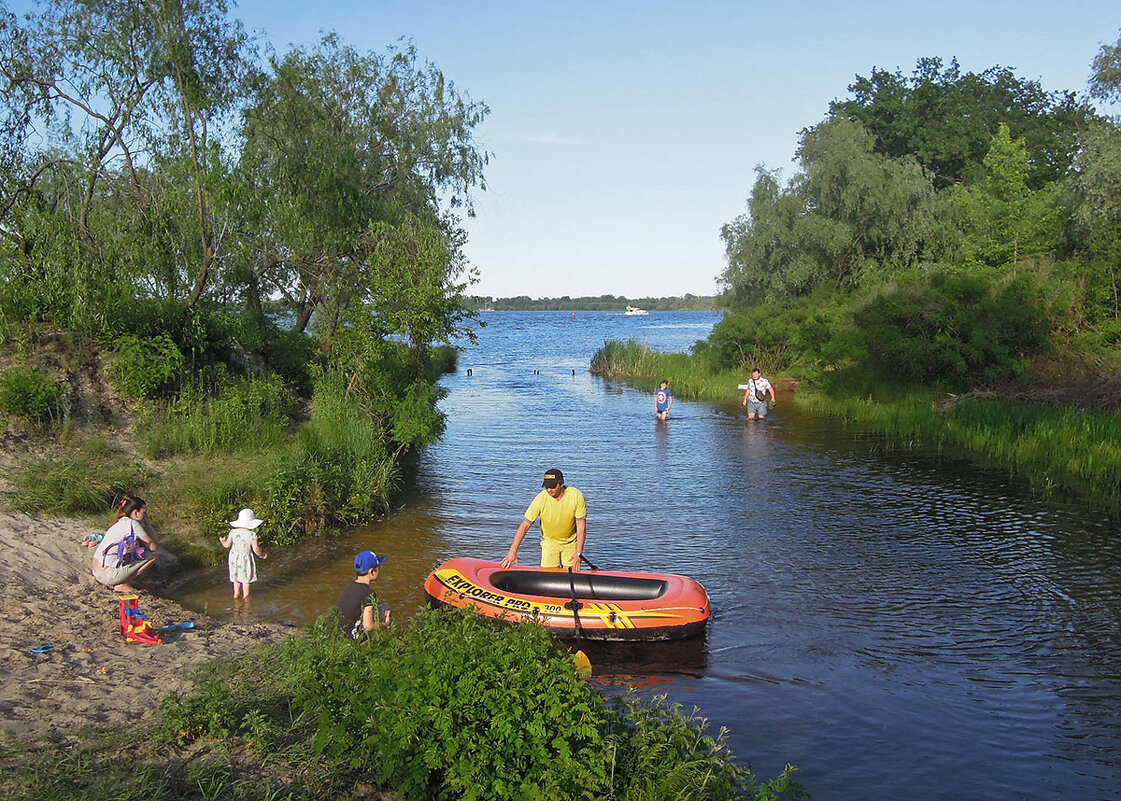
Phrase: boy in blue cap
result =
(358, 603)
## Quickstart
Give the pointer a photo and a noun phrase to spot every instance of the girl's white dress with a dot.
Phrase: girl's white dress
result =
(243, 567)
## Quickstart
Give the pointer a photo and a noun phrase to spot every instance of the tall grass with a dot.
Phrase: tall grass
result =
(228, 450)
(89, 482)
(244, 415)
(690, 377)
(199, 494)
(1056, 449)
(336, 471)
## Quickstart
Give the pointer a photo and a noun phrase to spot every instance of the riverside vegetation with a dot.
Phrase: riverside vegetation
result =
(453, 706)
(228, 281)
(954, 285)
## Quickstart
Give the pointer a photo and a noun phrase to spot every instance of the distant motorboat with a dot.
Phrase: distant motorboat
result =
(633, 311)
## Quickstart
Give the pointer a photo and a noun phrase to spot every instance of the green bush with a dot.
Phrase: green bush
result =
(445, 359)
(291, 353)
(25, 392)
(200, 333)
(339, 471)
(466, 714)
(455, 706)
(734, 338)
(954, 330)
(416, 420)
(776, 336)
(146, 367)
(385, 380)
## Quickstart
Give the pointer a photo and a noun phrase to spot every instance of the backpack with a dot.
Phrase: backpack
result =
(130, 549)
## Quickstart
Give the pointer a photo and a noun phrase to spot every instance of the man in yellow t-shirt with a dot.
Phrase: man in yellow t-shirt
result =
(564, 518)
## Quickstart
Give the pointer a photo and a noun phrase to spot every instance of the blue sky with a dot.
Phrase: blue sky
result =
(626, 133)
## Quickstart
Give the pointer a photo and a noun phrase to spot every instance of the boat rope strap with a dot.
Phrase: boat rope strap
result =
(574, 605)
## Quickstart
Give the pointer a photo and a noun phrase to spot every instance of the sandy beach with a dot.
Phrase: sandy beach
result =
(49, 598)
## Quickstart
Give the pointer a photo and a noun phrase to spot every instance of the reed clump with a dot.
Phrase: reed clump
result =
(247, 414)
(1059, 450)
(691, 376)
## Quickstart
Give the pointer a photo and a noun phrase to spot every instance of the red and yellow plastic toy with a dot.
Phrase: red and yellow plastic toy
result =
(135, 625)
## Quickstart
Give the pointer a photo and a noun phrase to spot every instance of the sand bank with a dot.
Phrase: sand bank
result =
(47, 596)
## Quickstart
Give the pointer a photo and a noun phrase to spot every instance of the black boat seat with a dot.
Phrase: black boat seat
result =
(589, 585)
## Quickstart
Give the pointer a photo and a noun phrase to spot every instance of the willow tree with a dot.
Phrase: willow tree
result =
(1004, 221)
(847, 207)
(113, 107)
(1096, 183)
(357, 166)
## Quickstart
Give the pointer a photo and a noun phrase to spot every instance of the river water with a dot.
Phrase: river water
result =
(897, 625)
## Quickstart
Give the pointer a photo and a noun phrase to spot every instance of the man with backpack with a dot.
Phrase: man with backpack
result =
(755, 398)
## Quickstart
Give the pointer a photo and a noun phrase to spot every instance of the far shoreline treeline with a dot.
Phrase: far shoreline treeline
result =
(687, 302)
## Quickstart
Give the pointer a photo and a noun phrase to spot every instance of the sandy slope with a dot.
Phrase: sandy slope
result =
(47, 595)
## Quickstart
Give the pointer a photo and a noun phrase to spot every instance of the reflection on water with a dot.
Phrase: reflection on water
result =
(887, 621)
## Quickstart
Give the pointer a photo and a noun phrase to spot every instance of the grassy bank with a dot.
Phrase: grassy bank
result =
(1060, 450)
(450, 707)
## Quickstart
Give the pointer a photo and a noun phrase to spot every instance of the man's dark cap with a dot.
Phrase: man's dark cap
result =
(553, 478)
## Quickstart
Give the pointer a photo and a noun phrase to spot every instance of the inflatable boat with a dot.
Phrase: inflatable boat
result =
(584, 604)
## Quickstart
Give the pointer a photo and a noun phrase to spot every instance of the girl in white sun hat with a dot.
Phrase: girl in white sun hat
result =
(242, 542)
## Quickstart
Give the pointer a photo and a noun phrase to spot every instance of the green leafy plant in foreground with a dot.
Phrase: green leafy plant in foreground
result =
(457, 707)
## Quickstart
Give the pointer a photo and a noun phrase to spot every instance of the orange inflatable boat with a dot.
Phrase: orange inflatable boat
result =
(587, 604)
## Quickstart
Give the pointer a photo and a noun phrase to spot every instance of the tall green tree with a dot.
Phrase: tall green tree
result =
(848, 207)
(114, 107)
(947, 118)
(1105, 78)
(762, 247)
(1004, 220)
(1096, 181)
(348, 160)
(885, 206)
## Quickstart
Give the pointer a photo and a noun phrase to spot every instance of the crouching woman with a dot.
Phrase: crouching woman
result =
(127, 550)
